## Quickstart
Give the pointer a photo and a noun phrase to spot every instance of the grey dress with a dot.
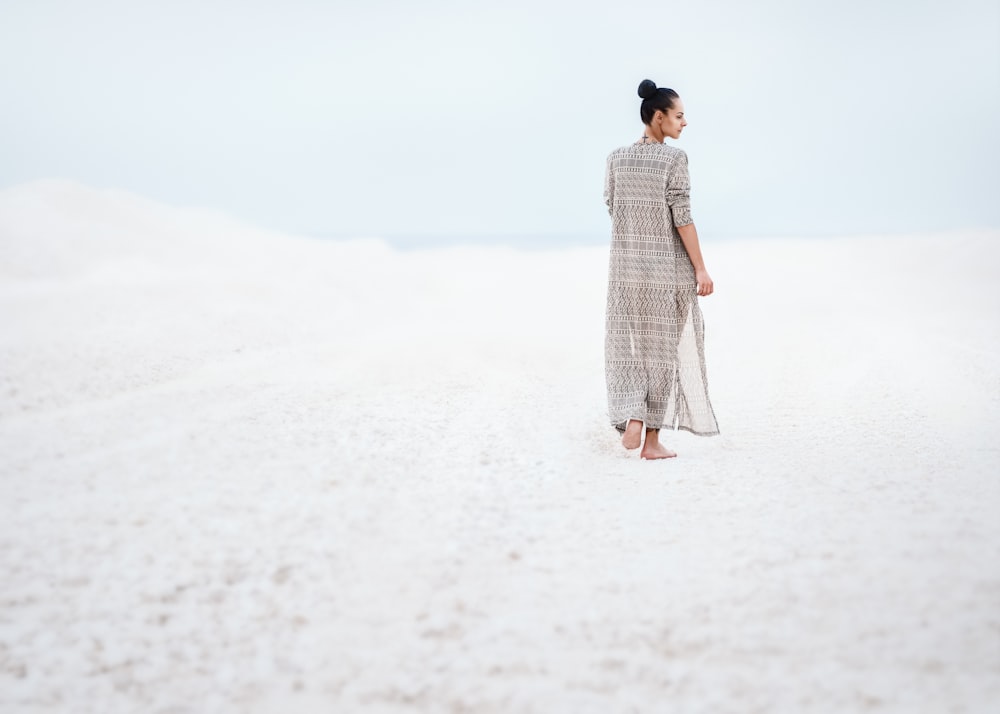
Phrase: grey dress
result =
(654, 347)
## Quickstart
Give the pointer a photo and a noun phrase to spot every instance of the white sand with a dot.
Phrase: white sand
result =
(255, 473)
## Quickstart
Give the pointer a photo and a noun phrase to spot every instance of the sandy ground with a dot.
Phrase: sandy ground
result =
(252, 473)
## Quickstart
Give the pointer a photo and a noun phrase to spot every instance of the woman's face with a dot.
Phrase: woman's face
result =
(672, 121)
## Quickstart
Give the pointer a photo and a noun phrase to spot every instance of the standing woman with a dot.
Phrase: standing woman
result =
(654, 347)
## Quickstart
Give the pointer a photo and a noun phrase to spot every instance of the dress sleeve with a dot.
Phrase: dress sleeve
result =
(609, 187)
(679, 191)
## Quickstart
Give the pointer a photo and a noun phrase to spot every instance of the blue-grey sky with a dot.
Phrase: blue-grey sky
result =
(446, 117)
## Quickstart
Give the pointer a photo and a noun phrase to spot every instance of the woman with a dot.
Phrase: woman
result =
(654, 346)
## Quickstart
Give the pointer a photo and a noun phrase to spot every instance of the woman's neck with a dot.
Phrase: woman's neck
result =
(650, 136)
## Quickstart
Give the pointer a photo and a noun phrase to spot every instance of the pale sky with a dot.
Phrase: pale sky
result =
(390, 118)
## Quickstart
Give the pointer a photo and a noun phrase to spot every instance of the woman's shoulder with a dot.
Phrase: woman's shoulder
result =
(672, 152)
(674, 156)
(667, 151)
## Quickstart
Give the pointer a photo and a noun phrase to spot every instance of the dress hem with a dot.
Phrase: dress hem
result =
(621, 429)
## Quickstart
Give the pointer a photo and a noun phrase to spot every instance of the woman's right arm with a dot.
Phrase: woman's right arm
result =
(679, 200)
(689, 236)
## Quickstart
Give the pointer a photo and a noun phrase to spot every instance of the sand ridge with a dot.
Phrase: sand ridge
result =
(259, 473)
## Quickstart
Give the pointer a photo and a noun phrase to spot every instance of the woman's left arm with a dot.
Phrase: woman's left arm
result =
(609, 187)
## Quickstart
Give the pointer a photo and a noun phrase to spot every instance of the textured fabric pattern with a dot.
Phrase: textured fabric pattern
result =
(654, 347)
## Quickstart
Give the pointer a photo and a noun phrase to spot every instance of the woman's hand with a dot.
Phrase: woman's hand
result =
(705, 284)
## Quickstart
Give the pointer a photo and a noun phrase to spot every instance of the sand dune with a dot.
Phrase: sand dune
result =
(245, 472)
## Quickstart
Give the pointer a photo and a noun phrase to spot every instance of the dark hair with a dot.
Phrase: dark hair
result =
(654, 99)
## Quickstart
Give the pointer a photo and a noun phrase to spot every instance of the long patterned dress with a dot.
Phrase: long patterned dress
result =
(654, 348)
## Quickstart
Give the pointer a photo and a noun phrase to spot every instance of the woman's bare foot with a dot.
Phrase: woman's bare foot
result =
(653, 449)
(632, 438)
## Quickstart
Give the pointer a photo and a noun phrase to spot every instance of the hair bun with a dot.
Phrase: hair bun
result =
(647, 88)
